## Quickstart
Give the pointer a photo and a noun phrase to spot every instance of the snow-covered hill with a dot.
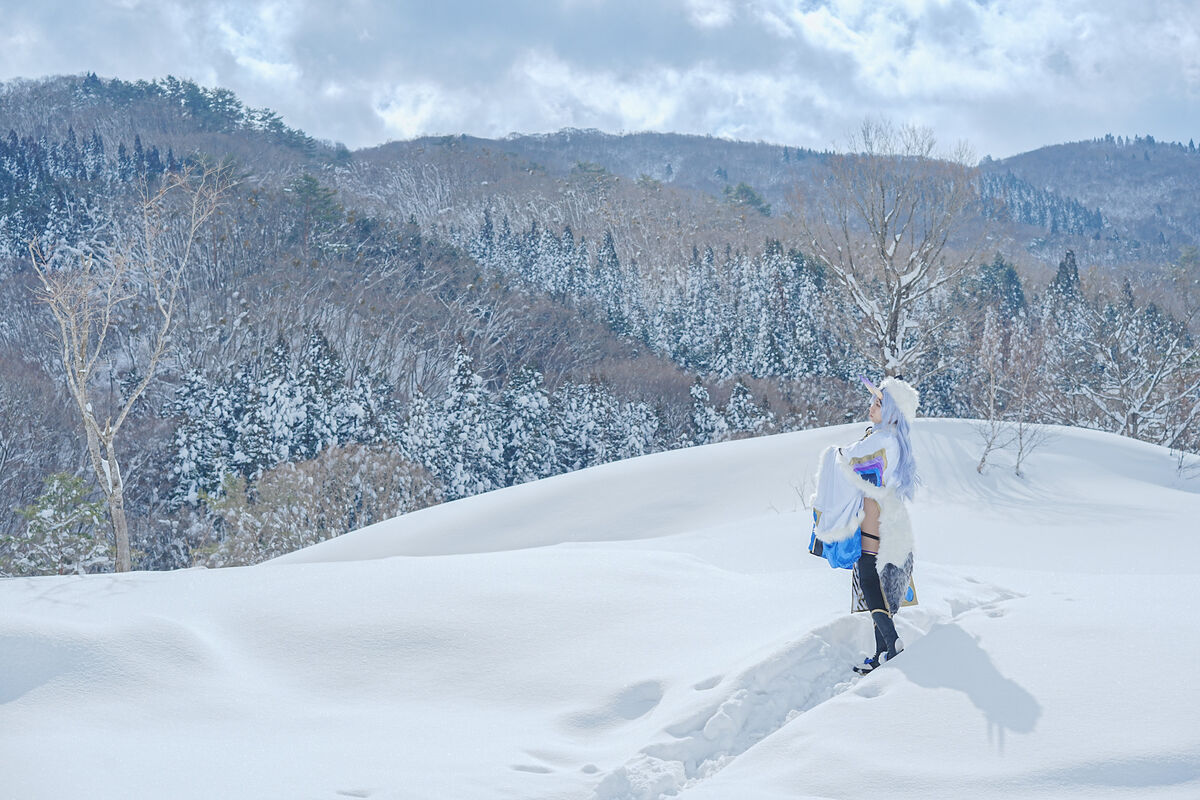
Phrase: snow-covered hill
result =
(643, 629)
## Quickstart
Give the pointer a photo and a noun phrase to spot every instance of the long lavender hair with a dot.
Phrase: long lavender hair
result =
(906, 478)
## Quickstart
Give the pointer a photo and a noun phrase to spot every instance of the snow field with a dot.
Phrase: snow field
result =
(652, 628)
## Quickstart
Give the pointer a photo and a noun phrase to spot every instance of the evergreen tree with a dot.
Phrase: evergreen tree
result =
(318, 212)
(1000, 285)
(530, 450)
(745, 416)
(483, 246)
(610, 283)
(366, 413)
(471, 457)
(1068, 328)
(319, 394)
(636, 431)
(581, 413)
(1066, 288)
(64, 533)
(708, 424)
(420, 439)
(201, 448)
(252, 436)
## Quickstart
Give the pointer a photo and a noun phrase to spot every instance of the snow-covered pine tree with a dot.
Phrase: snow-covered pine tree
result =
(708, 424)
(64, 533)
(636, 431)
(252, 439)
(281, 403)
(743, 415)
(1068, 326)
(999, 283)
(318, 395)
(365, 412)
(582, 437)
(200, 447)
(530, 451)
(610, 284)
(471, 454)
(420, 436)
(483, 244)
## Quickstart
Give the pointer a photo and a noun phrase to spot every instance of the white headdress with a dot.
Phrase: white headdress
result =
(904, 396)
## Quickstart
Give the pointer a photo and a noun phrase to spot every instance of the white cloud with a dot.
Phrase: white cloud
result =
(257, 41)
(571, 96)
(1006, 75)
(18, 41)
(710, 13)
(409, 110)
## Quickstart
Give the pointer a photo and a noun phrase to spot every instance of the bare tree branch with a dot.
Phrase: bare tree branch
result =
(882, 227)
(89, 300)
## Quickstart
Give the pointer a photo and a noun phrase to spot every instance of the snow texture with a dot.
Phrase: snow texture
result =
(644, 629)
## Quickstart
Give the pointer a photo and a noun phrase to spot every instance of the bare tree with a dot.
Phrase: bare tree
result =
(884, 228)
(988, 401)
(89, 297)
(1025, 382)
(1147, 371)
(1029, 436)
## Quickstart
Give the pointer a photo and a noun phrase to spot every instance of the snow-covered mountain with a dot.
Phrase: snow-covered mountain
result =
(644, 629)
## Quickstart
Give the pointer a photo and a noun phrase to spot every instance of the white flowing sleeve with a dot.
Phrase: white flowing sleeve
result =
(837, 505)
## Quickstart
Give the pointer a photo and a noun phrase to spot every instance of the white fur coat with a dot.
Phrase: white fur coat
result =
(840, 502)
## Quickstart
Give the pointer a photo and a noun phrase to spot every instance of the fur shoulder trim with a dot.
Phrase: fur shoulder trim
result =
(844, 532)
(904, 395)
(820, 468)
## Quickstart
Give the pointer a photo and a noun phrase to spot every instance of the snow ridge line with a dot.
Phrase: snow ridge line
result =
(762, 700)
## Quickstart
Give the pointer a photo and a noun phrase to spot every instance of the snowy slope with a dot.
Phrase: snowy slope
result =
(652, 628)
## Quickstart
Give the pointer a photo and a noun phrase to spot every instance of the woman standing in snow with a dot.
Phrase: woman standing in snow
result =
(862, 489)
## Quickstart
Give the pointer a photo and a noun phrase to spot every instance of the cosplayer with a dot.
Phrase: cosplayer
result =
(859, 515)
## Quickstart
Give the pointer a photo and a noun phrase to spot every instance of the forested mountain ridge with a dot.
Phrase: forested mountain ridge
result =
(1119, 200)
(1148, 191)
(170, 112)
(361, 334)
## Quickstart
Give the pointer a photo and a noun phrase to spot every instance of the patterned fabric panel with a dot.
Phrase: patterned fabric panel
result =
(859, 603)
(870, 468)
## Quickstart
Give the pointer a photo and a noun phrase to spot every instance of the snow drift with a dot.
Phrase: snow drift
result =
(645, 629)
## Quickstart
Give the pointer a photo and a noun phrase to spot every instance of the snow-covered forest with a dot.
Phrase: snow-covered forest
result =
(359, 335)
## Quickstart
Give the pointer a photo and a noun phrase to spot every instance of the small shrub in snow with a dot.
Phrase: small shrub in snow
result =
(295, 505)
(65, 533)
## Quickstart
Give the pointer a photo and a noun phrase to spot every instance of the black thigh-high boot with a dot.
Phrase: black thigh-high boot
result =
(886, 638)
(880, 643)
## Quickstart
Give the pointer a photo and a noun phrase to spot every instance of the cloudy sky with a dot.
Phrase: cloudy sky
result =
(1004, 75)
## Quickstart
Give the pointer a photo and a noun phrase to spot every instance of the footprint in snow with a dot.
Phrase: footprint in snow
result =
(632, 702)
(759, 702)
(537, 770)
